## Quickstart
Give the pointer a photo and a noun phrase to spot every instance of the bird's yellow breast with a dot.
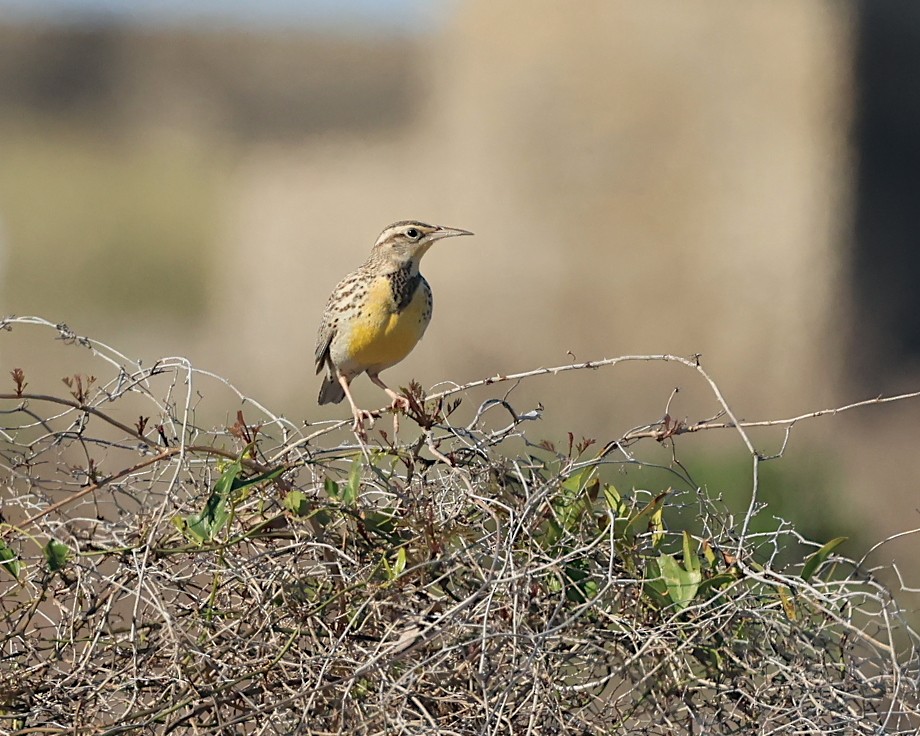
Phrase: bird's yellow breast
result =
(382, 336)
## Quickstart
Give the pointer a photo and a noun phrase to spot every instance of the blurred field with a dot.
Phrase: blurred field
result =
(110, 231)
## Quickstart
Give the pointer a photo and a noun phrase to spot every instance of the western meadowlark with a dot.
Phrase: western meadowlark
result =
(377, 314)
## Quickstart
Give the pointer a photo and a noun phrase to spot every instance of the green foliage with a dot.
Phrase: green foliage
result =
(676, 568)
(56, 555)
(297, 503)
(9, 560)
(394, 570)
(819, 557)
(681, 581)
(352, 489)
(230, 487)
(583, 505)
(800, 489)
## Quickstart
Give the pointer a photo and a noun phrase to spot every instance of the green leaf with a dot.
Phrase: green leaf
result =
(577, 497)
(654, 586)
(56, 554)
(614, 503)
(570, 512)
(552, 534)
(331, 488)
(579, 585)
(682, 584)
(574, 483)
(612, 497)
(296, 503)
(643, 517)
(691, 560)
(592, 490)
(203, 526)
(9, 560)
(261, 478)
(230, 474)
(717, 582)
(818, 558)
(322, 518)
(400, 563)
(656, 524)
(553, 584)
(788, 603)
(353, 487)
(380, 521)
(709, 553)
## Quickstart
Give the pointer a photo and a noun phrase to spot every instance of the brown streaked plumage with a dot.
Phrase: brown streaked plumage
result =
(377, 314)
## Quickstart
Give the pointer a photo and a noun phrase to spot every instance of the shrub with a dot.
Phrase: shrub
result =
(165, 570)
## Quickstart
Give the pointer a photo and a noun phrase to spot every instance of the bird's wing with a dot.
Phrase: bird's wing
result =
(323, 340)
(345, 293)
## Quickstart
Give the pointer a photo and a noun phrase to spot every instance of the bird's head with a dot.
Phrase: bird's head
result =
(406, 242)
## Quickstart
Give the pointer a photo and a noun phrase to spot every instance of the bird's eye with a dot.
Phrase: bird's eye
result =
(412, 233)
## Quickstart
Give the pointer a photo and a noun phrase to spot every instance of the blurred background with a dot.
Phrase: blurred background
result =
(735, 180)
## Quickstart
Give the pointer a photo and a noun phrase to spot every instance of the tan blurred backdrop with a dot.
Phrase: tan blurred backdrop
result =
(642, 177)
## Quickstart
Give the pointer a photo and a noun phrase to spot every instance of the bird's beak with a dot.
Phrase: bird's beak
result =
(448, 232)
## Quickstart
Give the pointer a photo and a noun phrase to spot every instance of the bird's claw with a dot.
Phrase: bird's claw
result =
(364, 419)
(358, 426)
(400, 403)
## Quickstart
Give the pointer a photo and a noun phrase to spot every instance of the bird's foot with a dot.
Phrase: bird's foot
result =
(358, 426)
(399, 403)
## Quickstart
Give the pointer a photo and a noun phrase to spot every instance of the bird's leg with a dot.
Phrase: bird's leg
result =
(360, 415)
(399, 402)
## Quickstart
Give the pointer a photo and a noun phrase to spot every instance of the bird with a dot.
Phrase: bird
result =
(377, 314)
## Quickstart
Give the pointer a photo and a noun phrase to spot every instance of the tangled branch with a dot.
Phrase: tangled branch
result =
(164, 569)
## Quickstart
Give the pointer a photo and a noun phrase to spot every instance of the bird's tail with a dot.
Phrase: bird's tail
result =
(331, 392)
